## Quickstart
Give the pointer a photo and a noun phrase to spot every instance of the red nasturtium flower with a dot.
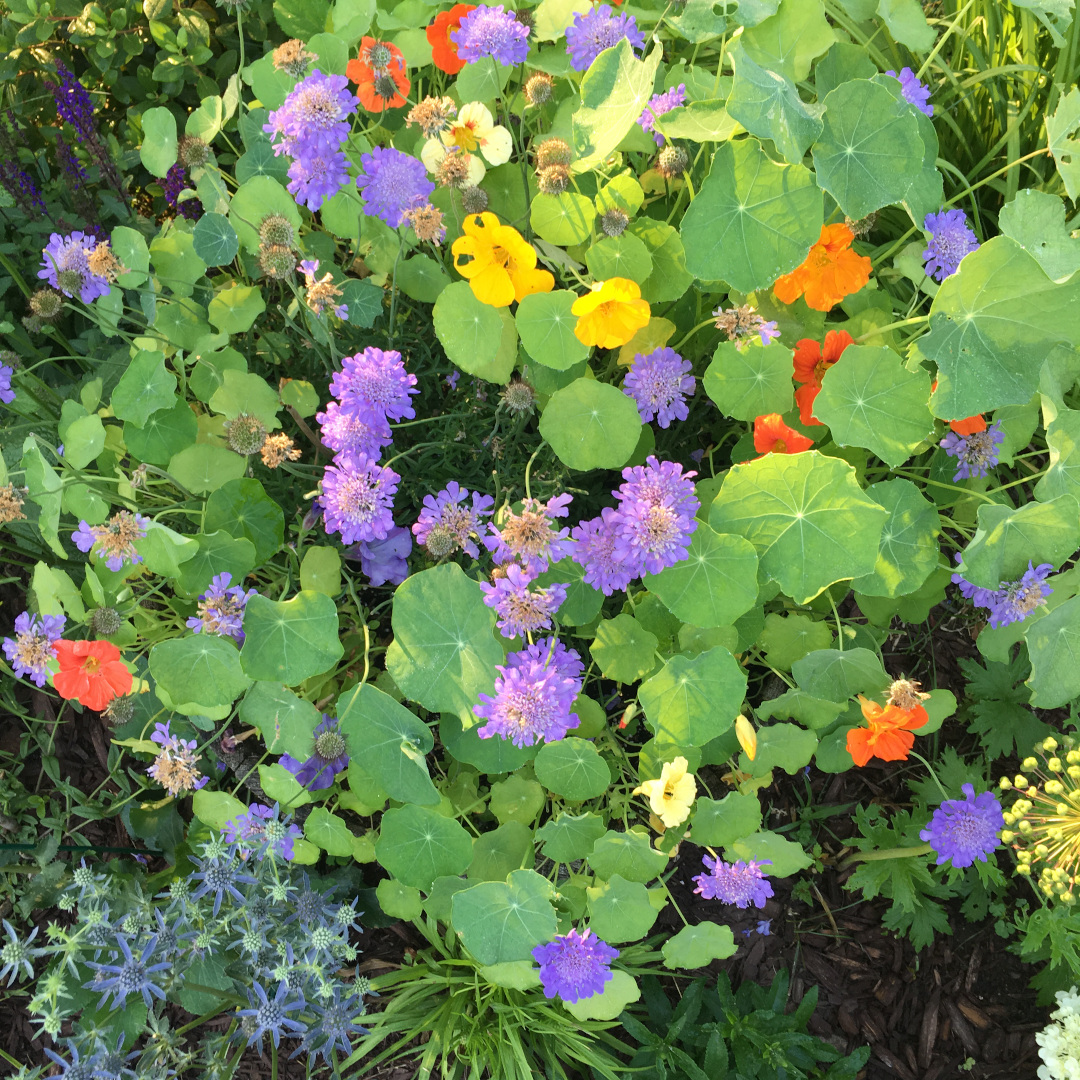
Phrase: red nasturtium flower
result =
(773, 436)
(444, 54)
(830, 272)
(91, 673)
(888, 734)
(970, 425)
(379, 74)
(811, 362)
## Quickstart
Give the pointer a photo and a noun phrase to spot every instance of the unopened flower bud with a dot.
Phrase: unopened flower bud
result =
(539, 88)
(245, 435)
(672, 162)
(553, 152)
(553, 180)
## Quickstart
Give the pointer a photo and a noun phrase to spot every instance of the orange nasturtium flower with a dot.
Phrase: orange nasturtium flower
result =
(970, 425)
(610, 314)
(444, 54)
(379, 74)
(830, 272)
(501, 264)
(773, 436)
(888, 734)
(91, 673)
(811, 362)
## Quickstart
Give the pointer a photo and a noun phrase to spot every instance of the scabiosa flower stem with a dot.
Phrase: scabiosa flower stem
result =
(739, 883)
(491, 31)
(599, 29)
(976, 454)
(520, 610)
(531, 537)
(391, 184)
(660, 382)
(357, 500)
(914, 92)
(950, 241)
(447, 524)
(965, 829)
(329, 755)
(574, 966)
(31, 650)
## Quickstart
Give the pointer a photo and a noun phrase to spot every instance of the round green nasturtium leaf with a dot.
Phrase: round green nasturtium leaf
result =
(255, 199)
(216, 242)
(565, 219)
(785, 746)
(591, 425)
(516, 799)
(270, 86)
(572, 768)
(290, 640)
(285, 721)
(244, 510)
(129, 246)
(869, 398)
(321, 570)
(620, 910)
(496, 854)
(752, 220)
(812, 712)
(470, 332)
(208, 374)
(621, 990)
(787, 638)
(282, 787)
(622, 192)
(158, 149)
(483, 80)
(203, 468)
(439, 896)
(623, 649)
(235, 309)
(177, 265)
(751, 381)
(909, 551)
(491, 756)
(570, 836)
(1036, 221)
(785, 856)
(519, 975)
(417, 845)
(669, 278)
(869, 152)
(164, 433)
(216, 808)
(690, 702)
(546, 328)
(807, 517)
(146, 387)
(714, 584)
(398, 901)
(246, 392)
(83, 438)
(1062, 475)
(200, 675)
(622, 256)
(720, 823)
(833, 675)
(501, 922)
(583, 602)
(443, 653)
(393, 741)
(164, 551)
(422, 278)
(364, 300)
(1053, 644)
(591, 717)
(629, 854)
(696, 946)
(328, 832)
(260, 160)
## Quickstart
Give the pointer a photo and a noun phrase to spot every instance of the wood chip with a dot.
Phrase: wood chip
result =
(928, 1029)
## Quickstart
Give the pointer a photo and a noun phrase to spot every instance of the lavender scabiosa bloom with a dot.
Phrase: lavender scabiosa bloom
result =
(133, 975)
(739, 883)
(914, 92)
(574, 966)
(978, 596)
(950, 241)
(531, 536)
(316, 111)
(520, 610)
(1016, 600)
(270, 1015)
(491, 31)
(594, 549)
(7, 395)
(31, 650)
(658, 105)
(65, 266)
(318, 175)
(357, 500)
(975, 454)
(965, 829)
(596, 30)
(659, 382)
(115, 540)
(375, 384)
(261, 827)
(386, 560)
(447, 524)
(740, 322)
(175, 767)
(348, 433)
(391, 184)
(221, 608)
(329, 755)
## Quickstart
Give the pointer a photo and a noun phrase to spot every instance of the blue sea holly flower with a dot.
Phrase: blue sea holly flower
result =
(329, 755)
(132, 976)
(574, 966)
(334, 1027)
(965, 829)
(950, 241)
(220, 877)
(914, 92)
(15, 956)
(270, 1016)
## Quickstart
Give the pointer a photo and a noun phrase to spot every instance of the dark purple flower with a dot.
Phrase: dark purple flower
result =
(739, 883)
(531, 536)
(594, 549)
(658, 105)
(659, 382)
(913, 91)
(329, 755)
(392, 183)
(173, 186)
(72, 101)
(7, 395)
(357, 500)
(221, 608)
(384, 561)
(446, 524)
(375, 385)
(965, 829)
(520, 610)
(977, 453)
(950, 241)
(65, 266)
(491, 31)
(31, 650)
(596, 30)
(574, 966)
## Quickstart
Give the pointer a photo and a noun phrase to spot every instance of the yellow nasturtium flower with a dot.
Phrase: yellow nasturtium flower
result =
(611, 314)
(499, 265)
(670, 797)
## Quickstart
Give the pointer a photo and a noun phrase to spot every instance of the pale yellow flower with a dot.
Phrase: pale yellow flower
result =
(473, 131)
(672, 795)
(747, 736)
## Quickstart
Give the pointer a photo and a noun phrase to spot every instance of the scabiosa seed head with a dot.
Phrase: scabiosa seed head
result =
(741, 322)
(192, 151)
(965, 829)
(46, 304)
(613, 222)
(276, 230)
(105, 621)
(519, 398)
(539, 88)
(104, 264)
(293, 58)
(474, 200)
(672, 162)
(574, 966)
(69, 281)
(245, 434)
(553, 152)
(739, 883)
(453, 171)
(120, 710)
(553, 180)
(276, 262)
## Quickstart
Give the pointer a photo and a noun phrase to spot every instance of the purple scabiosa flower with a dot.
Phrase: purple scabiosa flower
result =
(384, 561)
(131, 976)
(391, 184)
(175, 768)
(531, 536)
(375, 384)
(975, 454)
(31, 650)
(658, 105)
(270, 1015)
(655, 518)
(521, 611)
(329, 755)
(7, 395)
(491, 31)
(914, 92)
(660, 382)
(318, 175)
(596, 30)
(739, 883)
(950, 241)
(574, 966)
(316, 111)
(115, 540)
(65, 266)
(357, 500)
(348, 433)
(1016, 600)
(594, 549)
(965, 829)
(447, 524)
(262, 828)
(221, 608)
(978, 596)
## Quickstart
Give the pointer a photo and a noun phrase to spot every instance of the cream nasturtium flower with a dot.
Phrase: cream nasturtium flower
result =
(672, 795)
(473, 130)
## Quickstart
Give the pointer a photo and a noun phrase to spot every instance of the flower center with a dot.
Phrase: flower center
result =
(91, 665)
(463, 136)
(330, 745)
(500, 256)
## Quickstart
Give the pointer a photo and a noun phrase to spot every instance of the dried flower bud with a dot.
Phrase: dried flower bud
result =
(453, 171)
(552, 152)
(103, 263)
(276, 262)
(275, 230)
(863, 226)
(293, 58)
(539, 88)
(519, 397)
(614, 221)
(672, 162)
(427, 223)
(245, 435)
(105, 621)
(11, 502)
(192, 152)
(474, 199)
(553, 180)
(433, 115)
(906, 694)
(277, 449)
